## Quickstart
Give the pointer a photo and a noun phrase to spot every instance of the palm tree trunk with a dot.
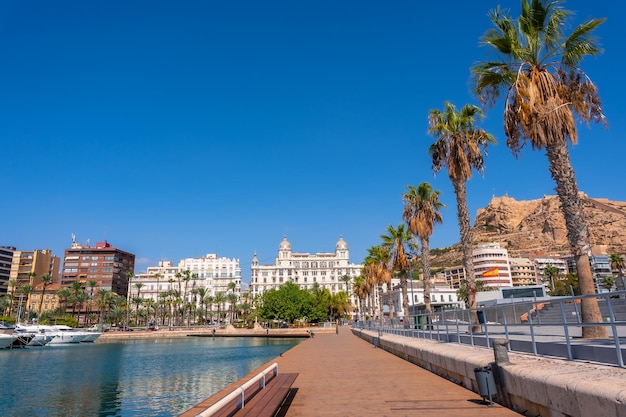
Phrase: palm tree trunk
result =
(426, 274)
(43, 293)
(460, 190)
(577, 235)
(390, 300)
(405, 298)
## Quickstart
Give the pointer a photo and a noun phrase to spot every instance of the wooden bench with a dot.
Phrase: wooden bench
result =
(264, 402)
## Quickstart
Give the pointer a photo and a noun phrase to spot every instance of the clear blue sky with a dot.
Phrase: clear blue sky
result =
(177, 129)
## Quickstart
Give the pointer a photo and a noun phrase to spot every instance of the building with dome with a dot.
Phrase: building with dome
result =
(328, 270)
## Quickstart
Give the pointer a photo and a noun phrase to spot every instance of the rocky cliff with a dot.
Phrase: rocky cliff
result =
(536, 228)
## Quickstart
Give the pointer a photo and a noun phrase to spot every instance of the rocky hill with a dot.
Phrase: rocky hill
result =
(536, 228)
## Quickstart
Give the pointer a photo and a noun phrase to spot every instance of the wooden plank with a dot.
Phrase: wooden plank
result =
(268, 401)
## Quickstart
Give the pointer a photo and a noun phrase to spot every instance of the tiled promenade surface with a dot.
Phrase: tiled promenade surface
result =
(343, 375)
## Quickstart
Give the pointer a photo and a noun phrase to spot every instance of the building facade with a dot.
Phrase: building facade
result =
(332, 271)
(6, 259)
(216, 274)
(109, 267)
(27, 267)
(523, 272)
(491, 265)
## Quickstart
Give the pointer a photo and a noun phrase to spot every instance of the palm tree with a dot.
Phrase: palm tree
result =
(92, 287)
(219, 299)
(157, 276)
(421, 212)
(617, 264)
(26, 290)
(377, 273)
(361, 290)
(138, 300)
(63, 294)
(12, 284)
(45, 280)
(232, 301)
(396, 241)
(201, 293)
(545, 89)
(208, 306)
(551, 273)
(459, 146)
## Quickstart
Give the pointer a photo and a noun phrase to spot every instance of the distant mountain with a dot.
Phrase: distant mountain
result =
(536, 228)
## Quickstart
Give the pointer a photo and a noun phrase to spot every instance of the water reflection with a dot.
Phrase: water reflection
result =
(160, 377)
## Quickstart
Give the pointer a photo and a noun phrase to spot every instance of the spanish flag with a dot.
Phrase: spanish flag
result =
(491, 272)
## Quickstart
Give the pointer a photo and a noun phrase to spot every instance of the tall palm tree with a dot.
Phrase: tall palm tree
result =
(201, 293)
(209, 300)
(92, 284)
(459, 147)
(377, 272)
(396, 241)
(12, 285)
(537, 65)
(219, 299)
(232, 299)
(157, 276)
(421, 213)
(63, 295)
(361, 290)
(138, 300)
(45, 280)
(25, 290)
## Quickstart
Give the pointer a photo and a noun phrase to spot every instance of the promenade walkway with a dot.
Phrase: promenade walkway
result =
(343, 375)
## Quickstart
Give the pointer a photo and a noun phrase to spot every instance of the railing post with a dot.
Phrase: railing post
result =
(532, 330)
(618, 349)
(566, 330)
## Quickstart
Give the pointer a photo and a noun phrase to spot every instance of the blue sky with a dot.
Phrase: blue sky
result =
(177, 129)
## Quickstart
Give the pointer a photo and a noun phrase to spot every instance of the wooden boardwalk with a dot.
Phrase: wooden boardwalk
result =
(342, 375)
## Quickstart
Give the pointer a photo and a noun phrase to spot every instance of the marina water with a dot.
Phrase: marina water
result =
(140, 377)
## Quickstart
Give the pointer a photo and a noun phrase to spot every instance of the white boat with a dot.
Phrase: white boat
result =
(91, 336)
(60, 334)
(35, 337)
(6, 340)
(66, 334)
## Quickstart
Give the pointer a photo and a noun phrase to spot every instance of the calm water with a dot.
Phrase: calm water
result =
(158, 377)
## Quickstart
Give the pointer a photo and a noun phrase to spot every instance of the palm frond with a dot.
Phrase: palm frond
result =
(581, 43)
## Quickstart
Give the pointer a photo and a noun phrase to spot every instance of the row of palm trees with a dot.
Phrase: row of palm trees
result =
(89, 304)
(537, 68)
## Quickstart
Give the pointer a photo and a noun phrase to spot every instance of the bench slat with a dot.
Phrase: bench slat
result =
(267, 401)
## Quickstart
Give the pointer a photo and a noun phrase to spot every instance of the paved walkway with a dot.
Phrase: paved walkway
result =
(343, 375)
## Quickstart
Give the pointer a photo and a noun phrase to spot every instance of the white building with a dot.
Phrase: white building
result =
(491, 265)
(213, 273)
(441, 296)
(306, 270)
(210, 272)
(156, 280)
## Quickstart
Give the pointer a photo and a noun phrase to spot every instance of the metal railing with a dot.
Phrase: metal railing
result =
(549, 326)
(239, 393)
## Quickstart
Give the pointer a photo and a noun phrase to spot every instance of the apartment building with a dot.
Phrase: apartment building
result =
(27, 267)
(523, 272)
(109, 267)
(6, 259)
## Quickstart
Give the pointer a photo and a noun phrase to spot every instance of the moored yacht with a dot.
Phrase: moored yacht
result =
(6, 340)
(60, 334)
(35, 336)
